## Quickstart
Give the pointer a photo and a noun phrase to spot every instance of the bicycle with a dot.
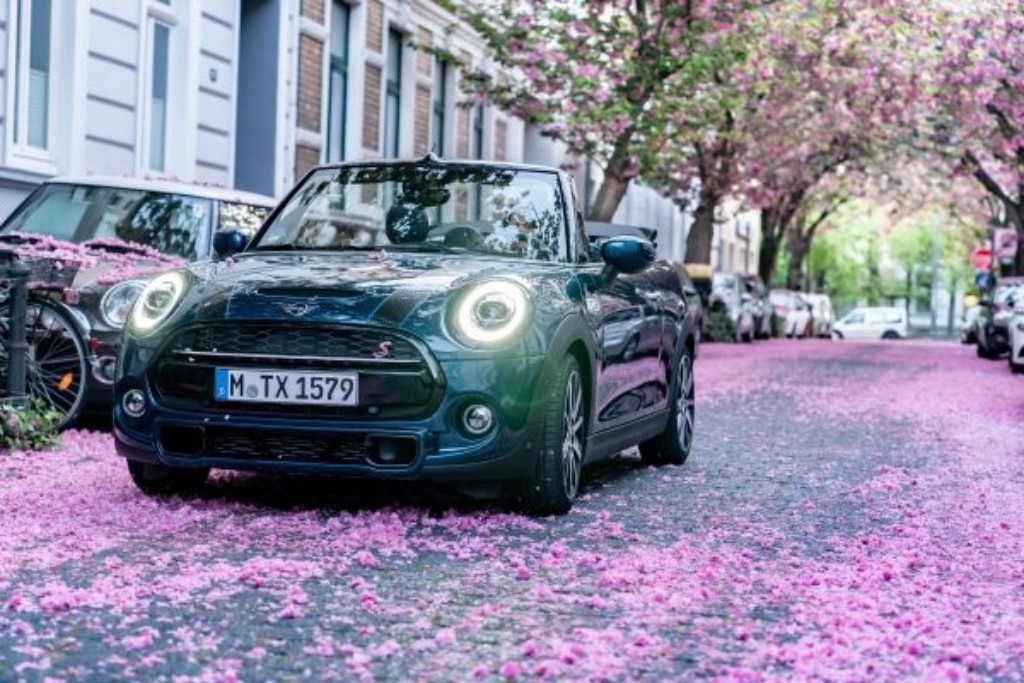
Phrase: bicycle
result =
(56, 362)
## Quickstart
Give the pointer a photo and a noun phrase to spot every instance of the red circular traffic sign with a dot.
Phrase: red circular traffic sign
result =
(981, 258)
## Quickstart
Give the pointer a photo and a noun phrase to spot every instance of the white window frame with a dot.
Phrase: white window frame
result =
(157, 12)
(20, 153)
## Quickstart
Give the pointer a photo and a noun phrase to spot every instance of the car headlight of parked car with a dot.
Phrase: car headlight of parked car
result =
(116, 304)
(157, 301)
(490, 314)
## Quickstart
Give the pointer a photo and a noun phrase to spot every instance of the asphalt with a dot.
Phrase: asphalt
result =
(849, 512)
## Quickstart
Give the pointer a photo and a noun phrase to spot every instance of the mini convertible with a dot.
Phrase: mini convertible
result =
(423, 319)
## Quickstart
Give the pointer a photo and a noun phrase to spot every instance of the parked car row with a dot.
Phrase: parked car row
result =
(994, 323)
(451, 321)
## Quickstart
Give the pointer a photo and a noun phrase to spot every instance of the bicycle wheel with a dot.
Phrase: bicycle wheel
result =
(56, 365)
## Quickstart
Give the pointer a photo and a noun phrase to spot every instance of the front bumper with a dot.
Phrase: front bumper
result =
(429, 447)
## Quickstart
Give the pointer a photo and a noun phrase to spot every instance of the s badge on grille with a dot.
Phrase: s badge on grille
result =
(383, 350)
(297, 309)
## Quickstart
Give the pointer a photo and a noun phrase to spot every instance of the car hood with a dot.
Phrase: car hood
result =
(340, 287)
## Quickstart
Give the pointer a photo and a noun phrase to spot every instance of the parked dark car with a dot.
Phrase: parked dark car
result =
(992, 326)
(426, 319)
(96, 241)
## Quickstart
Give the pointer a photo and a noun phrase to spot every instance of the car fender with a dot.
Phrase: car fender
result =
(573, 329)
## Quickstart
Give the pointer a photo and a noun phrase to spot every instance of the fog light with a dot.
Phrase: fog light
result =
(477, 419)
(134, 403)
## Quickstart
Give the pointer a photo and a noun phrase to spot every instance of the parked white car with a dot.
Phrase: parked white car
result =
(795, 310)
(1017, 340)
(823, 316)
(873, 322)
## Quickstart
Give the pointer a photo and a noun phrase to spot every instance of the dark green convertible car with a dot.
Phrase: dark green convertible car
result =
(427, 319)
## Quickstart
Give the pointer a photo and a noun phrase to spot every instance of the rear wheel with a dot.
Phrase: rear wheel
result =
(982, 351)
(555, 482)
(672, 446)
(889, 334)
(55, 361)
(155, 479)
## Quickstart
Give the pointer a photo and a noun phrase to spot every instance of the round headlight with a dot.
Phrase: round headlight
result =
(157, 301)
(490, 313)
(116, 304)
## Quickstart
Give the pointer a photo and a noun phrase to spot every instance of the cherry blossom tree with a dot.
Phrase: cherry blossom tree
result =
(605, 77)
(979, 97)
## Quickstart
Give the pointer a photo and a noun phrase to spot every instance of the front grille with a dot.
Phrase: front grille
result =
(315, 342)
(246, 445)
(396, 380)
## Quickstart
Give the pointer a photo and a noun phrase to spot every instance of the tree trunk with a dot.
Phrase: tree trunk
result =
(799, 245)
(702, 232)
(767, 258)
(617, 176)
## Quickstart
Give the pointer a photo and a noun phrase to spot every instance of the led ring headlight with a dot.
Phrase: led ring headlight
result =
(157, 301)
(117, 303)
(490, 313)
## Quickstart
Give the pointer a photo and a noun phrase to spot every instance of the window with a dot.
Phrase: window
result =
(244, 217)
(32, 82)
(174, 224)
(440, 104)
(338, 80)
(160, 38)
(476, 147)
(393, 101)
(854, 318)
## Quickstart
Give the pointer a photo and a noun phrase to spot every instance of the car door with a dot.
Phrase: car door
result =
(853, 325)
(628, 326)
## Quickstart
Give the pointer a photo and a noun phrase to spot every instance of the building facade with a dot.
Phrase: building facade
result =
(253, 93)
(123, 87)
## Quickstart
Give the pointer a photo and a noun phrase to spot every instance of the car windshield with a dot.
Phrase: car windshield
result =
(429, 207)
(174, 224)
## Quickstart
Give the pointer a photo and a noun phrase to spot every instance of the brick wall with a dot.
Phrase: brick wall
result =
(371, 108)
(424, 60)
(306, 157)
(421, 144)
(500, 140)
(313, 9)
(375, 25)
(311, 54)
(462, 124)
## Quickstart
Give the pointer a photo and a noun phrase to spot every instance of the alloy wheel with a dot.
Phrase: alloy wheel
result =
(685, 403)
(572, 440)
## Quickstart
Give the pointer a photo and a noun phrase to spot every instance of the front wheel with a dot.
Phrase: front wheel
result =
(555, 481)
(154, 479)
(672, 446)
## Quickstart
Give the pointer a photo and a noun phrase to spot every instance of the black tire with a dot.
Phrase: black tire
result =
(1016, 368)
(747, 337)
(889, 334)
(56, 367)
(156, 480)
(982, 351)
(555, 482)
(672, 447)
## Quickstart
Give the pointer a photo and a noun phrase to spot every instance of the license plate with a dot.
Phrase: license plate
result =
(279, 386)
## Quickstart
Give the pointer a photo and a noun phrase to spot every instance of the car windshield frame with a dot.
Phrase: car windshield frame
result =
(427, 187)
(200, 232)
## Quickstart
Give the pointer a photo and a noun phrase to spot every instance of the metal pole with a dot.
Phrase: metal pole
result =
(17, 347)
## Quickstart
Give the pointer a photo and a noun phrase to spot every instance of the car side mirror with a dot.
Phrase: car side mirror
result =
(227, 243)
(628, 255)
